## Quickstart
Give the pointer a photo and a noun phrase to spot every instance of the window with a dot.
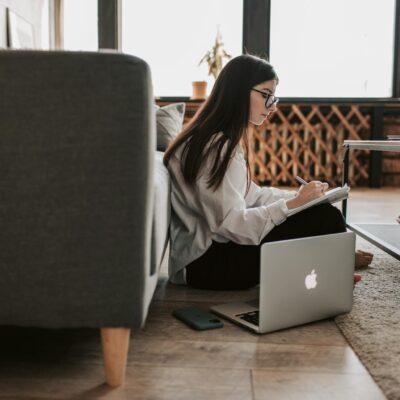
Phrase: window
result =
(333, 48)
(172, 36)
(45, 26)
(80, 25)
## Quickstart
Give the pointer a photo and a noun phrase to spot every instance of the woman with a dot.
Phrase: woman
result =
(219, 215)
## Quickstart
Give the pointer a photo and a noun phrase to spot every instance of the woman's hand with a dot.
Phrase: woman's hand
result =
(306, 193)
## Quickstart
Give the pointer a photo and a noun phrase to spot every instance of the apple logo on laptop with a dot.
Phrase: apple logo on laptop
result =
(311, 280)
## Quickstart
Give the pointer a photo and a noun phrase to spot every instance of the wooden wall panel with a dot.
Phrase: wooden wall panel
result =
(306, 139)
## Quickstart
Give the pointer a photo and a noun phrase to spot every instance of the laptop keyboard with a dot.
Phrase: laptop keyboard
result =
(252, 317)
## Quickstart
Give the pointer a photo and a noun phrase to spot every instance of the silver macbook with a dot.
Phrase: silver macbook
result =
(301, 280)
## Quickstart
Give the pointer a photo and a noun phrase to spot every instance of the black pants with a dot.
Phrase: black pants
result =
(231, 266)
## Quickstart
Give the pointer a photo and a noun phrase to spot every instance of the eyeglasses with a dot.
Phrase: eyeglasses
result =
(270, 99)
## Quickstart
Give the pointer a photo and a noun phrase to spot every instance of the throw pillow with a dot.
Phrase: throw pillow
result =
(169, 123)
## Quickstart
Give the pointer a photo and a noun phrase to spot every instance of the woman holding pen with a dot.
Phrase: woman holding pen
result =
(220, 217)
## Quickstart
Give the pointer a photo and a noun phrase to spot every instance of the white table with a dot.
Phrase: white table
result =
(384, 236)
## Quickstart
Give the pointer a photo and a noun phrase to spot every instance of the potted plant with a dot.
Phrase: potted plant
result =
(215, 60)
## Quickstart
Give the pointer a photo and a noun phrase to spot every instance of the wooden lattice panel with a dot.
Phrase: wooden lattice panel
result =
(391, 160)
(307, 140)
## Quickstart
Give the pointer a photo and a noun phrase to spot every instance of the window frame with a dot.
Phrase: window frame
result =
(110, 24)
(256, 36)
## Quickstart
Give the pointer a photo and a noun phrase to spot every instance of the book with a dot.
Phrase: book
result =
(331, 196)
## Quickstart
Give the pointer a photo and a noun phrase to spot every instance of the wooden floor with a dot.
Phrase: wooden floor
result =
(168, 360)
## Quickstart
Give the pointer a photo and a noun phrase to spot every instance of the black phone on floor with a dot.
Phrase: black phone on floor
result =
(197, 318)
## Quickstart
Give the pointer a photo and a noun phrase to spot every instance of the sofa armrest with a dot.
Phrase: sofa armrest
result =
(76, 154)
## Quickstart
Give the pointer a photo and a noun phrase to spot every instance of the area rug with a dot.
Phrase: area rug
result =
(373, 326)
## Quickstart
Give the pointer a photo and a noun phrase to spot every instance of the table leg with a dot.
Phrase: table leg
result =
(345, 176)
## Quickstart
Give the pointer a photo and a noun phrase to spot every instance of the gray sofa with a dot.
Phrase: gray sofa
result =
(78, 173)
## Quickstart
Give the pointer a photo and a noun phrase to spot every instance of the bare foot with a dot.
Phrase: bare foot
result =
(357, 278)
(363, 259)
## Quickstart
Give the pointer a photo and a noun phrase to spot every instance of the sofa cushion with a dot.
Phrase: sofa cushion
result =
(169, 123)
(162, 213)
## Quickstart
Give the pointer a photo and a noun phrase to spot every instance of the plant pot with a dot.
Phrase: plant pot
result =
(199, 89)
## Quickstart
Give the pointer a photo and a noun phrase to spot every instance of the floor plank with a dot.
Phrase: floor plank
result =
(162, 325)
(169, 292)
(141, 383)
(275, 385)
(238, 355)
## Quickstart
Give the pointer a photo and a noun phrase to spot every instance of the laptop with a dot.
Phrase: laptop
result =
(301, 280)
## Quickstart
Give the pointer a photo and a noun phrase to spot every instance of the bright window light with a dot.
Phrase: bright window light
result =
(172, 36)
(333, 48)
(80, 25)
(44, 26)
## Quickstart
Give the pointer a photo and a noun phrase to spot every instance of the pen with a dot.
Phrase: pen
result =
(301, 180)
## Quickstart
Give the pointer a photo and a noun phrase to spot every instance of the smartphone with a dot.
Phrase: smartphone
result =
(197, 318)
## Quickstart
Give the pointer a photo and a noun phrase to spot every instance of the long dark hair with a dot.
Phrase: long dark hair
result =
(226, 110)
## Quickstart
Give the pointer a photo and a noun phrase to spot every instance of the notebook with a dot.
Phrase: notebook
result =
(330, 196)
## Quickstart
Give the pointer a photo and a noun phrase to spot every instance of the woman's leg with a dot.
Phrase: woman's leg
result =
(319, 220)
(231, 266)
(225, 266)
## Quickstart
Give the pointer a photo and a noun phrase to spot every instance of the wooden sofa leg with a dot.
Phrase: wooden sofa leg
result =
(115, 344)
